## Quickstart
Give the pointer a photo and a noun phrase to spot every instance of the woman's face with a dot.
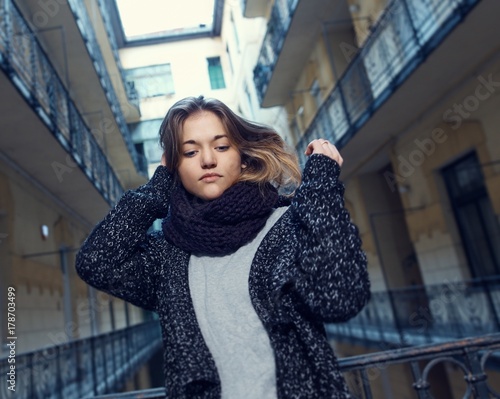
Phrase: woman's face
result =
(209, 162)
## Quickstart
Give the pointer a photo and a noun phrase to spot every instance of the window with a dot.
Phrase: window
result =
(215, 73)
(476, 219)
(151, 81)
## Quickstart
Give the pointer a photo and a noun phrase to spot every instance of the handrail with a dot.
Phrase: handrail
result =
(24, 61)
(471, 356)
(84, 367)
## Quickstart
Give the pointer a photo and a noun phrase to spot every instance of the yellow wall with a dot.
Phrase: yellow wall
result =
(32, 265)
(320, 68)
(432, 227)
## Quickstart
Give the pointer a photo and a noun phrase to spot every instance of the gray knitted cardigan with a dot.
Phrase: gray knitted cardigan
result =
(309, 269)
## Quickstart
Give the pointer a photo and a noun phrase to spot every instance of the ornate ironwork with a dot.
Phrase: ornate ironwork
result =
(469, 356)
(26, 64)
(85, 367)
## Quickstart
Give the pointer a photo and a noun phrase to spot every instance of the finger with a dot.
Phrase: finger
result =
(314, 147)
(322, 146)
(333, 153)
(336, 155)
(327, 148)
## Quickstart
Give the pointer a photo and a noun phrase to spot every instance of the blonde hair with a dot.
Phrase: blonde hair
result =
(265, 154)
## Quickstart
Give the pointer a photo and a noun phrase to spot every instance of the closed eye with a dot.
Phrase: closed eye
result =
(189, 154)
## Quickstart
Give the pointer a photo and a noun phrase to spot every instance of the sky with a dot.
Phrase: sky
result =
(152, 16)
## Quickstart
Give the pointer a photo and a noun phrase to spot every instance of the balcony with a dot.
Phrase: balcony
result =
(86, 367)
(70, 40)
(293, 28)
(94, 50)
(37, 108)
(414, 46)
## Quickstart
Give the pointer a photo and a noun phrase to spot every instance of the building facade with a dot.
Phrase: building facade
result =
(81, 106)
(407, 89)
(409, 92)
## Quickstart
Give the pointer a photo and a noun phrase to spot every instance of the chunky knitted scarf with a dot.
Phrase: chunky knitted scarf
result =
(220, 226)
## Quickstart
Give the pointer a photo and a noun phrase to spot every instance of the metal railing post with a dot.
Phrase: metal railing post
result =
(8, 34)
(412, 24)
(58, 376)
(94, 367)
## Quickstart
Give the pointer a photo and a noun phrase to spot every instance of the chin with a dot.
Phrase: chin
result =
(208, 196)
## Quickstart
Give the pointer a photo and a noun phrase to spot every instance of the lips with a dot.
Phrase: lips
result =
(210, 177)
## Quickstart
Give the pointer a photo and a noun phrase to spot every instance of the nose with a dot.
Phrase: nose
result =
(208, 160)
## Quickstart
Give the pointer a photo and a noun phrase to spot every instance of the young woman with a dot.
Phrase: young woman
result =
(242, 278)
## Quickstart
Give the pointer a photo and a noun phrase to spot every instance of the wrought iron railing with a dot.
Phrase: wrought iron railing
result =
(277, 27)
(24, 61)
(474, 357)
(403, 37)
(83, 368)
(407, 31)
(426, 314)
(88, 34)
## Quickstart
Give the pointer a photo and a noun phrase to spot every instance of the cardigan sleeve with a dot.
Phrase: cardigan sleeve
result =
(333, 281)
(119, 257)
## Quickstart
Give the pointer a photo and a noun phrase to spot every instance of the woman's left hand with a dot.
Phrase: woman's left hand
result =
(322, 146)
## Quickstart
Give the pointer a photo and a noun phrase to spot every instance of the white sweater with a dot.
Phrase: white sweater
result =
(232, 330)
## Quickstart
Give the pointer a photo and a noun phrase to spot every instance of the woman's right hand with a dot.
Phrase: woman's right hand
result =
(322, 146)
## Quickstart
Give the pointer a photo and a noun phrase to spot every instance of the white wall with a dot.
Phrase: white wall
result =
(190, 71)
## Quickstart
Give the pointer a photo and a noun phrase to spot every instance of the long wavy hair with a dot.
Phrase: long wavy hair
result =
(267, 157)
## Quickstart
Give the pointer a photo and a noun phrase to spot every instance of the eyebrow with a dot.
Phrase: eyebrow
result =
(219, 136)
